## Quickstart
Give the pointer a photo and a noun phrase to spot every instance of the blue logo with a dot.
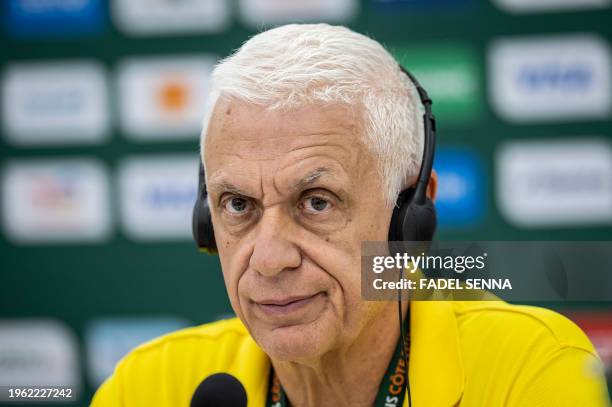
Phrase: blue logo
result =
(170, 197)
(461, 187)
(36, 18)
(557, 76)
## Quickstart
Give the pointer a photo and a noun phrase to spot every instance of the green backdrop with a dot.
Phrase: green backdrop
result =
(77, 283)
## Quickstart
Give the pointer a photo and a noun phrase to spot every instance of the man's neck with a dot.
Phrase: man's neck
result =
(344, 377)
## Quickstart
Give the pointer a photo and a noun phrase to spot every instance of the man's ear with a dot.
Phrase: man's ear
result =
(432, 186)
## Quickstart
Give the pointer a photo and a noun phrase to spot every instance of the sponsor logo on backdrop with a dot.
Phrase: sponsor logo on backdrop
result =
(35, 18)
(55, 103)
(461, 187)
(38, 352)
(55, 201)
(450, 74)
(151, 17)
(551, 78)
(164, 98)
(157, 196)
(528, 6)
(257, 12)
(107, 340)
(555, 183)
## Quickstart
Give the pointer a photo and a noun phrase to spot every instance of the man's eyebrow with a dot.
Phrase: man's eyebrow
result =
(225, 186)
(312, 177)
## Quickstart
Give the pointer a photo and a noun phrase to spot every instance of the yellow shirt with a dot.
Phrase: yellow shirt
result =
(466, 354)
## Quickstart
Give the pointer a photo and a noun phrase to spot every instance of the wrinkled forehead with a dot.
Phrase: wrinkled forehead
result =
(248, 146)
(259, 133)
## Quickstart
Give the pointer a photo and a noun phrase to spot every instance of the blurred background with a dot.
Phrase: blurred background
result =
(101, 103)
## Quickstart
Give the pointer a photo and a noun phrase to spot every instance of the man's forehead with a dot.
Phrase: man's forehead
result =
(240, 124)
(247, 143)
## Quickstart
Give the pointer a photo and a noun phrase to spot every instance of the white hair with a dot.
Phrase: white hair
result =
(298, 64)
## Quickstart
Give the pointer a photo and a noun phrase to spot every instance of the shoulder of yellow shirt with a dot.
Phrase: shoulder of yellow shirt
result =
(561, 331)
(212, 334)
(558, 328)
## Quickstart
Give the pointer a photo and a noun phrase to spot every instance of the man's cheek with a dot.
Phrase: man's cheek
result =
(239, 299)
(232, 275)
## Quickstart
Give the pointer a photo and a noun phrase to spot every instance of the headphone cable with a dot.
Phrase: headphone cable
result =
(403, 336)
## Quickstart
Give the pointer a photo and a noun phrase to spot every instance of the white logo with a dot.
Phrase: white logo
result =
(157, 196)
(526, 6)
(544, 183)
(56, 201)
(150, 17)
(55, 103)
(560, 78)
(108, 340)
(164, 98)
(38, 353)
(258, 12)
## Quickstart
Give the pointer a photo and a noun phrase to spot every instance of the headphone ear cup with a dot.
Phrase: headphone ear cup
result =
(412, 221)
(202, 228)
(201, 221)
(396, 228)
(420, 222)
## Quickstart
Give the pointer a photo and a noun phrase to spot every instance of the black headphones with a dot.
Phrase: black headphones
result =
(414, 216)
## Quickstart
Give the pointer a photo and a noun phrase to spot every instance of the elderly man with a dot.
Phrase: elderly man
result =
(312, 133)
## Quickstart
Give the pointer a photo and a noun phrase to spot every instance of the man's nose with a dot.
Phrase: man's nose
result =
(274, 249)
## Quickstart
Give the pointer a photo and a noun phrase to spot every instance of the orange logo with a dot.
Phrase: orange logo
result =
(173, 96)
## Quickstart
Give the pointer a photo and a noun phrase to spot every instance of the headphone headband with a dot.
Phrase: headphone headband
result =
(429, 141)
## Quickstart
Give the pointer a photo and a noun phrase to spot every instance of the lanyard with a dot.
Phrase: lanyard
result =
(391, 392)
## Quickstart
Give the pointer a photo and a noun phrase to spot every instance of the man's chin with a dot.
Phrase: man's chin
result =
(297, 342)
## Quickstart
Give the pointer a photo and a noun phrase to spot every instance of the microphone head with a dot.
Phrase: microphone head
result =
(220, 389)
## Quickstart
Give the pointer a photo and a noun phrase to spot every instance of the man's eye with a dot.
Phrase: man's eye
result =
(237, 205)
(316, 204)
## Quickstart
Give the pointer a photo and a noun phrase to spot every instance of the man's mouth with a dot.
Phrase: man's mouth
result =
(287, 305)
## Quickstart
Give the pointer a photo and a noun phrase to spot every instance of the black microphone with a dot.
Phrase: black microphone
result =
(219, 390)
